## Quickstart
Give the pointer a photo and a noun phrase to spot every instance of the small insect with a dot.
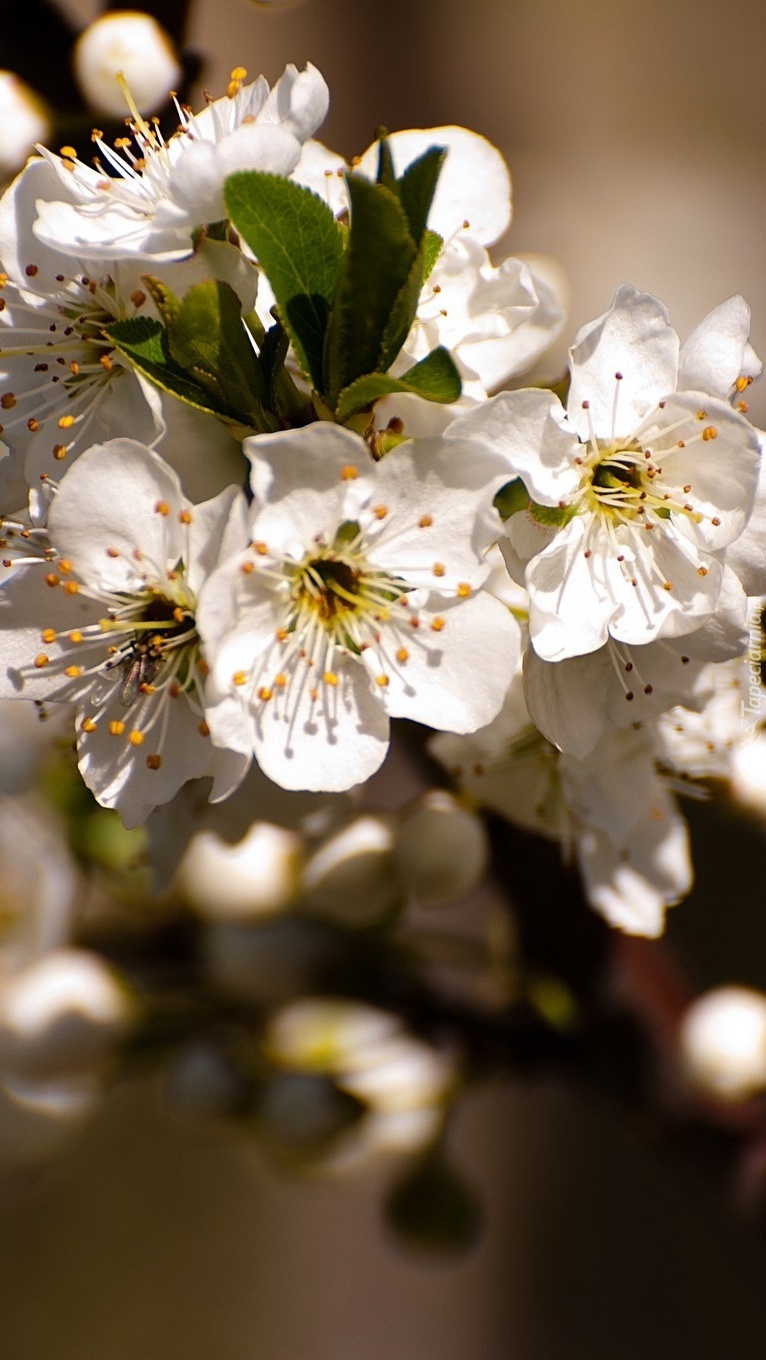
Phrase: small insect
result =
(139, 668)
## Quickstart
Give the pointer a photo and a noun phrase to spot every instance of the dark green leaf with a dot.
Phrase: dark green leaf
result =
(402, 314)
(377, 265)
(435, 378)
(144, 342)
(296, 239)
(386, 171)
(273, 354)
(417, 187)
(208, 340)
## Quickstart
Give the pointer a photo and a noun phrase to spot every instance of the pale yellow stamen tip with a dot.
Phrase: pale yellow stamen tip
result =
(136, 738)
(116, 727)
(66, 422)
(264, 693)
(330, 678)
(161, 508)
(710, 432)
(48, 635)
(463, 590)
(402, 654)
(72, 672)
(88, 725)
(41, 661)
(239, 678)
(437, 624)
(382, 680)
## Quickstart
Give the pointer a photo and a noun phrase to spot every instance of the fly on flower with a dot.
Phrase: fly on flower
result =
(139, 669)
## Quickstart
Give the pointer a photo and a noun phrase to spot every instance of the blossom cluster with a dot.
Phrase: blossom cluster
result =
(259, 499)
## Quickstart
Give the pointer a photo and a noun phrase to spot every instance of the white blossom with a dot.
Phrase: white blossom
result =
(155, 197)
(636, 490)
(612, 810)
(104, 618)
(359, 599)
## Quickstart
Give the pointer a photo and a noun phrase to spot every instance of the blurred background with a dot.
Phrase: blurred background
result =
(636, 136)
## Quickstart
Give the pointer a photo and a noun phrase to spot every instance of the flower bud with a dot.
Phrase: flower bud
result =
(134, 46)
(255, 878)
(23, 121)
(723, 1042)
(441, 848)
(748, 773)
(63, 1013)
(352, 877)
(327, 1034)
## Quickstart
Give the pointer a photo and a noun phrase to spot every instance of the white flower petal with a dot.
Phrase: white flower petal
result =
(634, 338)
(717, 352)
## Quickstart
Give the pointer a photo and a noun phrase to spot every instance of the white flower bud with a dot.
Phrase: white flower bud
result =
(255, 878)
(402, 1074)
(352, 878)
(325, 1034)
(134, 46)
(441, 848)
(23, 121)
(65, 1012)
(748, 773)
(723, 1042)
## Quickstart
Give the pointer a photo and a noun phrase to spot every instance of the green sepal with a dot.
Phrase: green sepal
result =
(208, 340)
(144, 342)
(296, 240)
(435, 378)
(552, 516)
(377, 265)
(164, 298)
(511, 498)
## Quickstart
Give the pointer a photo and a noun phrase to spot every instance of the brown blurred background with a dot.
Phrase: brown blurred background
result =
(636, 136)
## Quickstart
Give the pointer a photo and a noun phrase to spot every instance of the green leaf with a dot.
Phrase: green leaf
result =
(144, 342)
(435, 378)
(296, 239)
(386, 171)
(432, 249)
(417, 187)
(273, 354)
(209, 340)
(377, 265)
(402, 314)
